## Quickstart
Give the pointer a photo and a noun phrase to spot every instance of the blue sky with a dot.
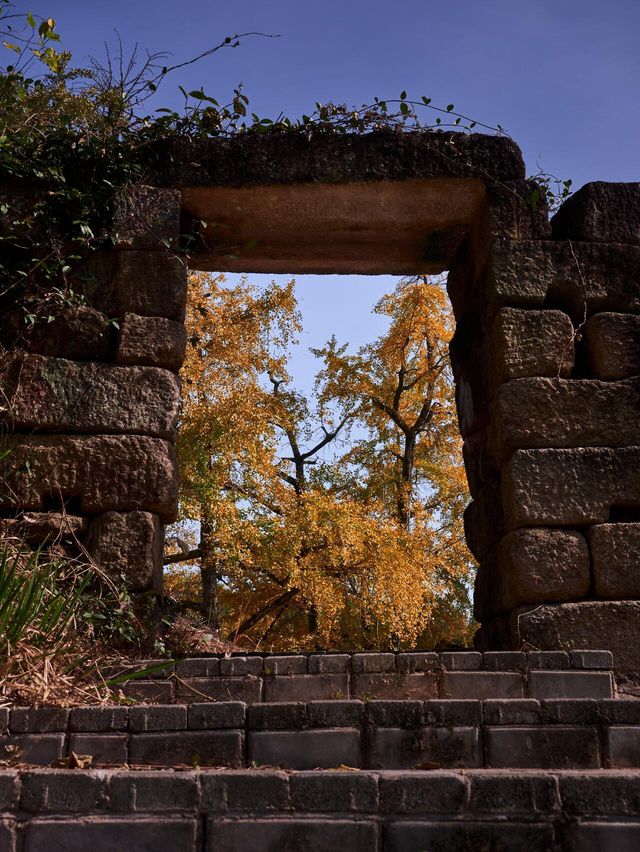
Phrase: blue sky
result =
(561, 76)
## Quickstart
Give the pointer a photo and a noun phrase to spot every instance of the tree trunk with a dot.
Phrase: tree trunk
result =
(209, 571)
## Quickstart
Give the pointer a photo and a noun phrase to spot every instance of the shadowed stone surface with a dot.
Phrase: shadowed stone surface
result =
(613, 345)
(531, 343)
(151, 341)
(600, 212)
(615, 555)
(129, 544)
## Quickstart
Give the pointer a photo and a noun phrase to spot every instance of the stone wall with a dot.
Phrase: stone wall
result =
(546, 357)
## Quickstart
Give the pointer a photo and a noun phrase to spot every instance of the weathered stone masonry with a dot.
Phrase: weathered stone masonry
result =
(546, 358)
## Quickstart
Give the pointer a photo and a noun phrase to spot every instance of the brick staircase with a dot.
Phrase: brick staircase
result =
(376, 752)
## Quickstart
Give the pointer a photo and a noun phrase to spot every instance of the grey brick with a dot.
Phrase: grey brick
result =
(601, 837)
(9, 790)
(158, 717)
(429, 748)
(513, 793)
(198, 667)
(38, 720)
(504, 661)
(241, 666)
(35, 749)
(570, 685)
(422, 793)
(104, 835)
(62, 791)
(153, 792)
(191, 748)
(524, 711)
(620, 711)
(245, 689)
(395, 685)
(104, 748)
(591, 659)
(368, 663)
(570, 711)
(306, 687)
(481, 685)
(329, 663)
(614, 793)
(419, 661)
(394, 714)
(277, 717)
(293, 664)
(326, 749)
(335, 714)
(216, 716)
(333, 792)
(558, 747)
(290, 834)
(458, 661)
(548, 660)
(445, 837)
(98, 719)
(244, 790)
(161, 691)
(451, 712)
(622, 747)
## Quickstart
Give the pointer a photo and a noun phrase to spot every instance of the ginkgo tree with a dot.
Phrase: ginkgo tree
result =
(298, 548)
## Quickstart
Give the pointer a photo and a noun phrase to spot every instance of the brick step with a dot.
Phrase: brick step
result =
(270, 811)
(524, 733)
(419, 675)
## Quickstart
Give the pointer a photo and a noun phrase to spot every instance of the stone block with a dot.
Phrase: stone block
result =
(484, 519)
(39, 720)
(513, 213)
(564, 413)
(417, 661)
(600, 212)
(337, 792)
(612, 343)
(147, 217)
(150, 284)
(61, 791)
(570, 711)
(504, 661)
(446, 836)
(622, 747)
(559, 275)
(611, 793)
(7, 835)
(335, 714)
(426, 748)
(591, 659)
(422, 792)
(9, 790)
(287, 665)
(245, 689)
(216, 716)
(98, 719)
(600, 836)
(153, 792)
(620, 711)
(452, 713)
(394, 714)
(614, 625)
(538, 565)
(306, 687)
(461, 661)
(104, 833)
(615, 555)
(548, 660)
(160, 691)
(159, 717)
(542, 748)
(310, 835)
(569, 487)
(105, 473)
(531, 343)
(191, 748)
(392, 685)
(151, 341)
(55, 395)
(512, 794)
(523, 711)
(198, 667)
(244, 790)
(277, 716)
(79, 334)
(326, 749)
(241, 666)
(129, 544)
(52, 529)
(482, 685)
(369, 663)
(105, 749)
(329, 663)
